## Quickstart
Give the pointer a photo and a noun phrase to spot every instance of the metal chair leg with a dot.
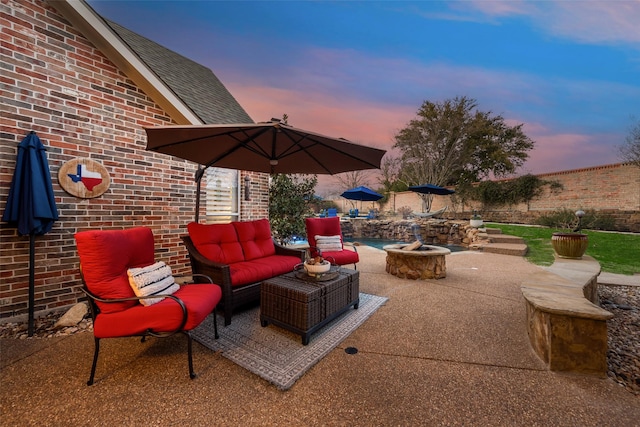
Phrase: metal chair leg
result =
(192, 374)
(95, 361)
(227, 316)
(215, 323)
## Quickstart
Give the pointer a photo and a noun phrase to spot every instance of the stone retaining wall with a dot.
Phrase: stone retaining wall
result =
(432, 231)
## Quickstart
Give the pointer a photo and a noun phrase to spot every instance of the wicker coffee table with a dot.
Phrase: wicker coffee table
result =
(302, 304)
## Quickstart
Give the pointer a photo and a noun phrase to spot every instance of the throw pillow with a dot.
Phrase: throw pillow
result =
(329, 243)
(154, 279)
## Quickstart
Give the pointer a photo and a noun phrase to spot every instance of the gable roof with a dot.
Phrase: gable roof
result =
(195, 84)
(188, 91)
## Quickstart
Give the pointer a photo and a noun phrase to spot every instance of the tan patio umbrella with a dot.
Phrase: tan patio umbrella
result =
(270, 147)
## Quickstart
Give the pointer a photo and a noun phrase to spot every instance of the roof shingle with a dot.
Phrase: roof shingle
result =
(195, 84)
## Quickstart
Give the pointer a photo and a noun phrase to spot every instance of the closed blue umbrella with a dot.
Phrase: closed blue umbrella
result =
(31, 207)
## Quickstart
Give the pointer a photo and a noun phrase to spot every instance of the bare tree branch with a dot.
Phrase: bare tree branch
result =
(630, 150)
(348, 180)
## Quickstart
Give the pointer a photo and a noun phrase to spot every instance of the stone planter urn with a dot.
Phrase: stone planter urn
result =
(476, 223)
(476, 220)
(570, 245)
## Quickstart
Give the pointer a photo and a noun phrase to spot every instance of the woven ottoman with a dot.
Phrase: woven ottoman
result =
(303, 305)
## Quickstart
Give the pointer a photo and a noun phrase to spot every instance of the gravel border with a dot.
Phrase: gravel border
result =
(623, 331)
(43, 327)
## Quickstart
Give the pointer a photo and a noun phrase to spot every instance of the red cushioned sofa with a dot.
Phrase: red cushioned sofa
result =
(238, 256)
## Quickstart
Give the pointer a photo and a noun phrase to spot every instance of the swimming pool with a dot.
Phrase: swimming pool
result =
(380, 243)
(369, 241)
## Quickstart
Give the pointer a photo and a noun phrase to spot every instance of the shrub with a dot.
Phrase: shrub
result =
(290, 198)
(566, 218)
(598, 221)
(562, 218)
(509, 192)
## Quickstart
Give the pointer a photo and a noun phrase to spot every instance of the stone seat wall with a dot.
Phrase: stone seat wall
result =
(566, 326)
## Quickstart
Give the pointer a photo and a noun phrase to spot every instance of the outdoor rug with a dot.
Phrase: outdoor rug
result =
(275, 354)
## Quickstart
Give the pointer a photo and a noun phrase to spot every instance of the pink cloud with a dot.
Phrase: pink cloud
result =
(366, 123)
(586, 21)
(594, 21)
(556, 152)
(374, 124)
(501, 8)
(347, 101)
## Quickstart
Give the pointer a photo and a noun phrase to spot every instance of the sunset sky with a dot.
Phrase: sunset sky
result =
(568, 70)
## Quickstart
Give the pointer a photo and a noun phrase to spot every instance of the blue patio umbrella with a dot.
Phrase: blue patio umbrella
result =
(31, 207)
(431, 189)
(426, 193)
(363, 194)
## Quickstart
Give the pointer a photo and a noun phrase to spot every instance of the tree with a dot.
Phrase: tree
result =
(452, 141)
(290, 199)
(352, 179)
(389, 172)
(630, 150)
(389, 178)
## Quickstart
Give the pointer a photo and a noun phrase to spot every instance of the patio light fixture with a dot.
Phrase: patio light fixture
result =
(579, 214)
(247, 188)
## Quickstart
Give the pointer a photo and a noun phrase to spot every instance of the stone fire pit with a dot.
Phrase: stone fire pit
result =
(426, 262)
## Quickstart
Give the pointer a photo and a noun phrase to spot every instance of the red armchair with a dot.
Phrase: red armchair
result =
(111, 262)
(322, 237)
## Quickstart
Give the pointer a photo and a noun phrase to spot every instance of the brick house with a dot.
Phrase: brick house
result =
(87, 87)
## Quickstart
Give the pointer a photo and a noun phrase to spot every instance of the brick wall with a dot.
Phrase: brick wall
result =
(257, 206)
(56, 83)
(610, 189)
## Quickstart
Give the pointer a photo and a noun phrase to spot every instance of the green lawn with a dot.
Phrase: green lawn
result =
(616, 252)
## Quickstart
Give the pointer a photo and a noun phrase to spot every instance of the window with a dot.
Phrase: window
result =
(222, 195)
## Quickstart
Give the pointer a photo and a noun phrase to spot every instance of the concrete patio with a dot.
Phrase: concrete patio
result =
(440, 352)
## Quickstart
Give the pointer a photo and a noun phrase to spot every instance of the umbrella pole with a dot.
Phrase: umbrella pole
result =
(199, 174)
(32, 250)
(197, 201)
